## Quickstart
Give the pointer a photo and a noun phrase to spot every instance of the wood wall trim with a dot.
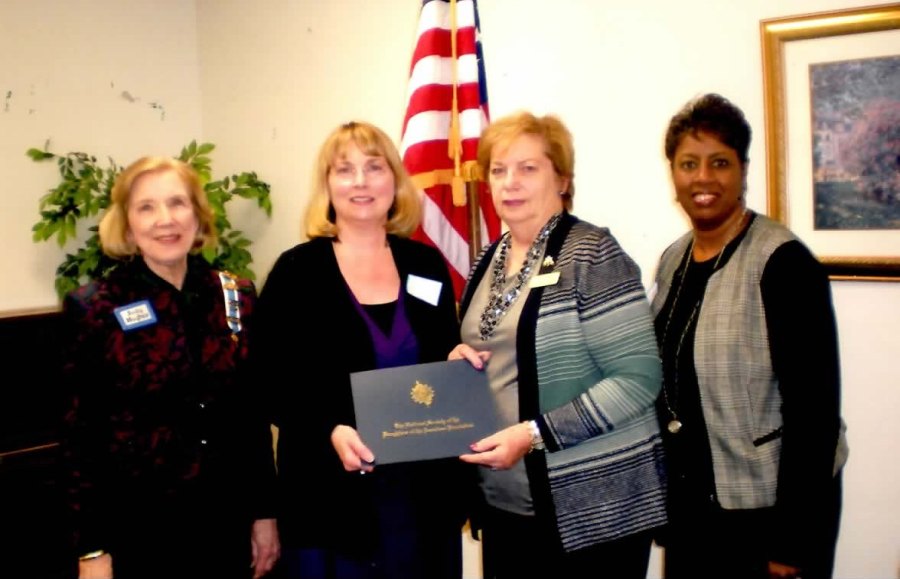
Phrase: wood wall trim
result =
(25, 312)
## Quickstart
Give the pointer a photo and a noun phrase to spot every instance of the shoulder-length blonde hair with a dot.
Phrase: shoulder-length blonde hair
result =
(406, 211)
(558, 144)
(113, 228)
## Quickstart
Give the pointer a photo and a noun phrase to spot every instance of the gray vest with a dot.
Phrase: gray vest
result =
(739, 391)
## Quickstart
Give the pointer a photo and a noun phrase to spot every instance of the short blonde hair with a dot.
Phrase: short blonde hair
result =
(406, 212)
(113, 228)
(558, 144)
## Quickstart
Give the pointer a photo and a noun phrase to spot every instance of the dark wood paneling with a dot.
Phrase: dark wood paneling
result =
(30, 398)
(32, 514)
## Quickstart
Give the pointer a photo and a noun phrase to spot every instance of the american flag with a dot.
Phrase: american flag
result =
(446, 110)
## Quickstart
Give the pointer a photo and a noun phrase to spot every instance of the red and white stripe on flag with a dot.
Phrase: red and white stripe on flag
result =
(438, 145)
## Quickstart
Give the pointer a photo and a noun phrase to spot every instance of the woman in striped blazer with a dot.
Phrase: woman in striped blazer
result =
(556, 315)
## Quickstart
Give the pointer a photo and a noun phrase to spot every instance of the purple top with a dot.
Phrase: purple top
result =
(400, 348)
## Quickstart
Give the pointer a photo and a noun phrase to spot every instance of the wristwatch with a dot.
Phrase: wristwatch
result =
(537, 441)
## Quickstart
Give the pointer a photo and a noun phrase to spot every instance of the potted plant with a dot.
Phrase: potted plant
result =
(84, 192)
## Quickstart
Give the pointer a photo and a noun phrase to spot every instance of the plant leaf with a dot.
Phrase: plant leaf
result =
(84, 190)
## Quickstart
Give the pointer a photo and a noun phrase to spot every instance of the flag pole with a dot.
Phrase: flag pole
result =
(474, 220)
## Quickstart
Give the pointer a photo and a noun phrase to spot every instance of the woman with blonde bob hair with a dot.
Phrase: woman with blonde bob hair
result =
(359, 295)
(559, 146)
(169, 457)
(114, 225)
(406, 211)
(572, 485)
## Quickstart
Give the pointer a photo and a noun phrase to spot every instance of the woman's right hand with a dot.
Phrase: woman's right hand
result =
(465, 352)
(354, 455)
(98, 568)
(501, 450)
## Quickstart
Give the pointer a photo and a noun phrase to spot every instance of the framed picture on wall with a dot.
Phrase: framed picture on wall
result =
(832, 105)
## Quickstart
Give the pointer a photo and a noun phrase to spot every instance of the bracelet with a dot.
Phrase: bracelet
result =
(537, 440)
(92, 555)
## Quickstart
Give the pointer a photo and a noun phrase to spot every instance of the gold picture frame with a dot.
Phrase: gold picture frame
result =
(812, 38)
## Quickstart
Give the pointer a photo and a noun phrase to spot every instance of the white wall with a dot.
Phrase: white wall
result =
(109, 78)
(267, 80)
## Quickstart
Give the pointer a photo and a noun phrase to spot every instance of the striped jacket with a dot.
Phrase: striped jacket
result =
(589, 373)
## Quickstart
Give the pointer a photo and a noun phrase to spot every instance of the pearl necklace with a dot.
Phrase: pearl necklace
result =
(500, 300)
(674, 425)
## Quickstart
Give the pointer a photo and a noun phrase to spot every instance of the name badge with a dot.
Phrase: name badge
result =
(136, 315)
(544, 279)
(427, 290)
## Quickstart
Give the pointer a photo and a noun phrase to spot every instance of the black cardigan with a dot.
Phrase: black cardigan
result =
(310, 338)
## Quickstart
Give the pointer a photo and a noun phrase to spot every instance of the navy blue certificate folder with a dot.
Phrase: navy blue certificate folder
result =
(424, 411)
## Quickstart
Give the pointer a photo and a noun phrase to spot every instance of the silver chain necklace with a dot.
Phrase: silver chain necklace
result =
(500, 299)
(674, 425)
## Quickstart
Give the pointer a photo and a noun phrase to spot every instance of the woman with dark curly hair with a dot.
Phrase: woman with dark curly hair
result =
(750, 405)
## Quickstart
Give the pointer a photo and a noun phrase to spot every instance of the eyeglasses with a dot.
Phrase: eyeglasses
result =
(348, 172)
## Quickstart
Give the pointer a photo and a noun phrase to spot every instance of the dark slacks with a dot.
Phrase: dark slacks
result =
(181, 540)
(708, 541)
(408, 544)
(515, 546)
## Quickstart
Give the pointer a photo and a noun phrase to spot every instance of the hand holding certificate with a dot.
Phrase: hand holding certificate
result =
(424, 411)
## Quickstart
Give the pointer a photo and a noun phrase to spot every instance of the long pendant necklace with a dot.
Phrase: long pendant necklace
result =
(671, 399)
(501, 299)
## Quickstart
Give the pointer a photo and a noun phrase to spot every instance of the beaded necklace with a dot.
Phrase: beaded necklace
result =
(502, 299)
(670, 399)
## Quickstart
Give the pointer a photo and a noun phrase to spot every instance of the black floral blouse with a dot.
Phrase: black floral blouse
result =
(159, 409)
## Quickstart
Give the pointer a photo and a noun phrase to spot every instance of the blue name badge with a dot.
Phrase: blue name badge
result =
(136, 315)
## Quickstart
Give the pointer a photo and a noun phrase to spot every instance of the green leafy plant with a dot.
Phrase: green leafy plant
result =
(84, 192)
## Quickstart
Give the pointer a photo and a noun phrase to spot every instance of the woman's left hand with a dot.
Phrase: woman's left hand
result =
(265, 545)
(503, 449)
(466, 352)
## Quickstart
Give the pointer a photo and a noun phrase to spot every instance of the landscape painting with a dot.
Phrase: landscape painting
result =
(855, 108)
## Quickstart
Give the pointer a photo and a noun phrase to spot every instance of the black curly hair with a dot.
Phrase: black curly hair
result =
(714, 114)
